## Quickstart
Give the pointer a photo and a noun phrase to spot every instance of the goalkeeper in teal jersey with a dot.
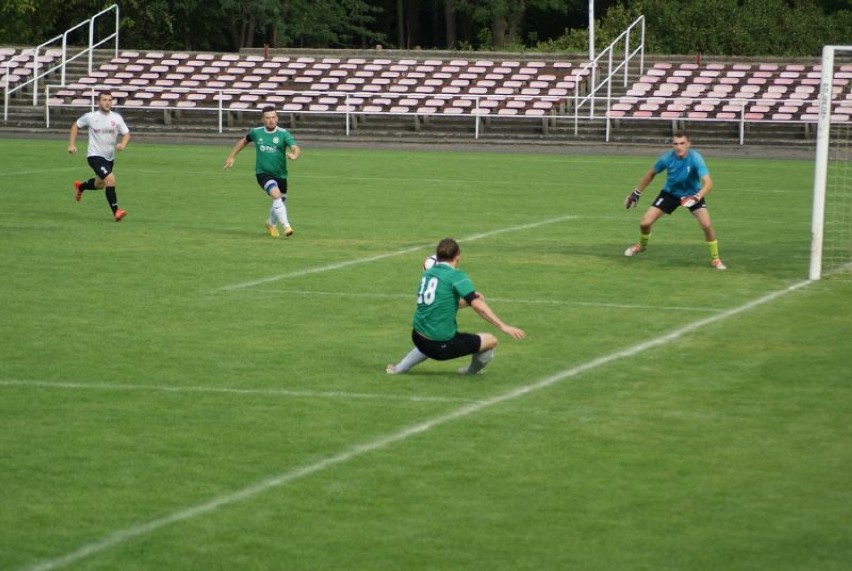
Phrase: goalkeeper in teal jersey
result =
(688, 181)
(271, 143)
(444, 289)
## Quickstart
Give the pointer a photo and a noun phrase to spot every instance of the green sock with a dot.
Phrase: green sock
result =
(643, 240)
(714, 249)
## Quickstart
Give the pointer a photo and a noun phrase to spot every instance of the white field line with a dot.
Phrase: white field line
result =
(402, 435)
(411, 297)
(225, 390)
(348, 263)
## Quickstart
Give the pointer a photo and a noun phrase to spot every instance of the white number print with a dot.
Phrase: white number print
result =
(427, 291)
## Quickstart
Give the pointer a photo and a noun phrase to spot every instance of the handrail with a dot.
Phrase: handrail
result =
(591, 67)
(65, 59)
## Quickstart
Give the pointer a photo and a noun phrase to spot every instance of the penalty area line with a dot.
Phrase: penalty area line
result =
(402, 435)
(377, 257)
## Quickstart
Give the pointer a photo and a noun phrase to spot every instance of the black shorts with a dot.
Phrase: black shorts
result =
(459, 346)
(101, 166)
(668, 203)
(264, 179)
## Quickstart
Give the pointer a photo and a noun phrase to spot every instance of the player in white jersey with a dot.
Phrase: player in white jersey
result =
(105, 127)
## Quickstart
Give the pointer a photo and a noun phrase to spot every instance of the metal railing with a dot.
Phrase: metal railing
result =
(354, 107)
(623, 67)
(37, 67)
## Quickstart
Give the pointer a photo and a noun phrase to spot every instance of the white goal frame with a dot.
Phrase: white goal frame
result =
(822, 157)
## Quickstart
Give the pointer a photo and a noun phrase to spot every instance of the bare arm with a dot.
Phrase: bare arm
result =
(485, 312)
(294, 153)
(706, 186)
(633, 198)
(646, 180)
(122, 144)
(72, 139)
(229, 162)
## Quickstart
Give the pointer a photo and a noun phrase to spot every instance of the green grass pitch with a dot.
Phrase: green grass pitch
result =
(181, 391)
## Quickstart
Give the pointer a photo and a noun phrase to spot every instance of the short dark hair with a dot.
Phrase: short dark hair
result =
(267, 109)
(104, 92)
(681, 133)
(447, 249)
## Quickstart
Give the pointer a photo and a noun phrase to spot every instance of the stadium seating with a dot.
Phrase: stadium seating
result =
(752, 92)
(330, 84)
(730, 92)
(18, 66)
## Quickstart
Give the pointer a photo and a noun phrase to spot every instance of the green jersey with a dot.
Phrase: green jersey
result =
(271, 147)
(441, 288)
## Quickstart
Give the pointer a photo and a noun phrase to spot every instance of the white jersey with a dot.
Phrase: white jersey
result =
(104, 130)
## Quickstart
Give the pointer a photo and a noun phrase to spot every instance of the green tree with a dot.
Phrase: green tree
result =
(328, 23)
(28, 22)
(720, 27)
(500, 23)
(753, 27)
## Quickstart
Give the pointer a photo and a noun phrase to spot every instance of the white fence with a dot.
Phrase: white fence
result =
(40, 68)
(352, 107)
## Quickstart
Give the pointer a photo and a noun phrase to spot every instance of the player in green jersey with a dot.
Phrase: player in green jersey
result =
(272, 144)
(444, 289)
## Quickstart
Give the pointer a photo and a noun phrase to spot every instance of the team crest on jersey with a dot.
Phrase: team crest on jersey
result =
(275, 140)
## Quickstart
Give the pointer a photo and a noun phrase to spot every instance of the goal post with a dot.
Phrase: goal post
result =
(831, 224)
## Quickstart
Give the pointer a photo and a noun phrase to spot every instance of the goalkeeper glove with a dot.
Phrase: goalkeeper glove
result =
(632, 198)
(689, 201)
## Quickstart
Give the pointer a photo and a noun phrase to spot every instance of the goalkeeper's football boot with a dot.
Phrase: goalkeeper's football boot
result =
(272, 229)
(119, 214)
(634, 249)
(288, 231)
(718, 264)
(79, 194)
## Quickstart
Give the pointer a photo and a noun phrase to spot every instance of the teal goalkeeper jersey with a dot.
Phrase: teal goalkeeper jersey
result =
(683, 177)
(270, 149)
(441, 288)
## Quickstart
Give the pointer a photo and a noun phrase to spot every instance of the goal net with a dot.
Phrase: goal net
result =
(831, 228)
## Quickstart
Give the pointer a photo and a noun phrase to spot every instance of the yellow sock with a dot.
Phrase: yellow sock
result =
(643, 240)
(714, 249)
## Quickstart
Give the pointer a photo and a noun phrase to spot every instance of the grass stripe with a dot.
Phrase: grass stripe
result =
(349, 263)
(358, 450)
(225, 390)
(408, 296)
